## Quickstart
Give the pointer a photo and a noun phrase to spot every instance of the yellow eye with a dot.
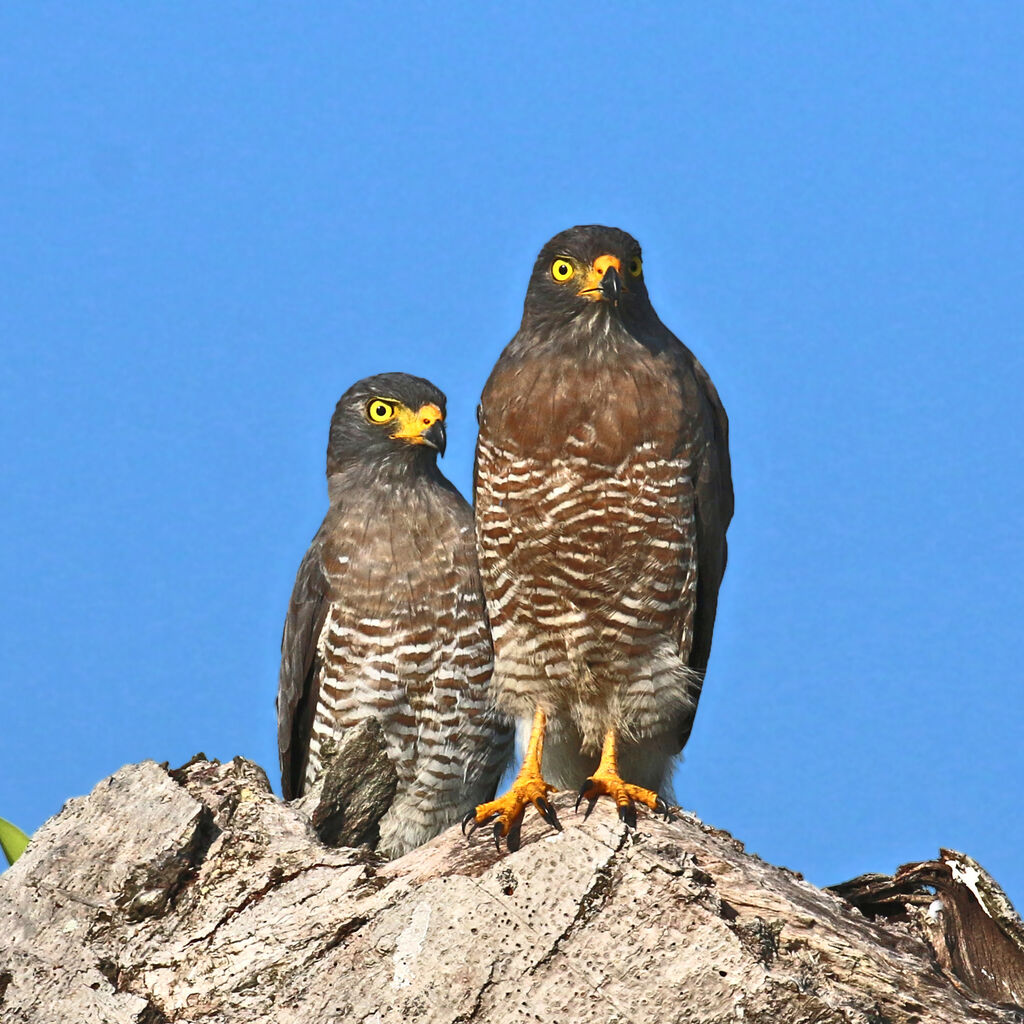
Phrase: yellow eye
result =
(562, 270)
(636, 265)
(380, 411)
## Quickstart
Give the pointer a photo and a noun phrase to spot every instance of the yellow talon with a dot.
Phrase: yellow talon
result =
(606, 781)
(529, 787)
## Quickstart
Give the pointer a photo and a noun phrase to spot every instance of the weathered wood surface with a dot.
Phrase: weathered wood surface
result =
(975, 934)
(197, 896)
(355, 789)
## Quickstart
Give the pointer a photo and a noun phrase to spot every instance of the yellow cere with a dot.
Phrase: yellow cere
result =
(562, 270)
(412, 425)
(636, 266)
(380, 411)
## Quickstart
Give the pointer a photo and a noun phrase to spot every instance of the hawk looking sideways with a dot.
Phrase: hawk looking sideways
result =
(387, 617)
(603, 494)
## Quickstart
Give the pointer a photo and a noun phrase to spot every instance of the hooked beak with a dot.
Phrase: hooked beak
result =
(611, 285)
(424, 426)
(435, 436)
(604, 280)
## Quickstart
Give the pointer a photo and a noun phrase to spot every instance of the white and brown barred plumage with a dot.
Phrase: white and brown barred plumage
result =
(602, 493)
(387, 618)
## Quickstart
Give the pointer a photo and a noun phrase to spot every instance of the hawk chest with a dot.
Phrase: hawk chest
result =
(400, 602)
(391, 560)
(585, 499)
(405, 633)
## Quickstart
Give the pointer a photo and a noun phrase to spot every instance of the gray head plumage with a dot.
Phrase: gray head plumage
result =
(387, 420)
(585, 270)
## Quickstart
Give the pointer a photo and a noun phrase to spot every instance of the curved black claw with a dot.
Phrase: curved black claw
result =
(591, 800)
(513, 839)
(587, 783)
(547, 812)
(476, 824)
(627, 813)
(660, 807)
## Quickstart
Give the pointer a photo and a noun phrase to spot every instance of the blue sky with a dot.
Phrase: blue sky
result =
(216, 217)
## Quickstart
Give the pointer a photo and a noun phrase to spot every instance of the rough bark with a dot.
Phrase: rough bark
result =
(197, 896)
(973, 930)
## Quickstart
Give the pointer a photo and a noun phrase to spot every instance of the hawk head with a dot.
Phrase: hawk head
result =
(585, 270)
(387, 418)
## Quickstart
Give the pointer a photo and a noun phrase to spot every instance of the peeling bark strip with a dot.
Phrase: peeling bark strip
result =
(197, 896)
(975, 934)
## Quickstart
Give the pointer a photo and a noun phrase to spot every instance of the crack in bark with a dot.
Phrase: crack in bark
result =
(277, 879)
(350, 927)
(152, 889)
(588, 908)
(41, 885)
(591, 901)
(152, 1014)
(467, 1017)
(122, 979)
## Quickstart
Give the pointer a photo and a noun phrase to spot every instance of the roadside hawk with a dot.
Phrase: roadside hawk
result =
(603, 494)
(387, 617)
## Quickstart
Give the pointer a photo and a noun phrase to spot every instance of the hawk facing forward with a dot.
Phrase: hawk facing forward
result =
(387, 617)
(603, 494)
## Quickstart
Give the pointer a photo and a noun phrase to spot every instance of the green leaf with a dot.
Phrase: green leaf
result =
(12, 840)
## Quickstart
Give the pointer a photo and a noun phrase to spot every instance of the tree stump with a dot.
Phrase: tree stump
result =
(198, 896)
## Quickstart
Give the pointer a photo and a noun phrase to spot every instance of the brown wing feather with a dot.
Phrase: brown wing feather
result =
(298, 686)
(713, 508)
